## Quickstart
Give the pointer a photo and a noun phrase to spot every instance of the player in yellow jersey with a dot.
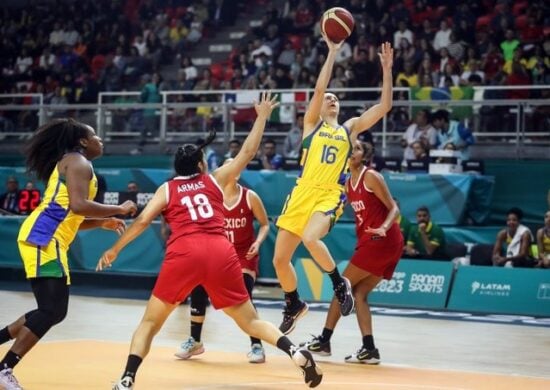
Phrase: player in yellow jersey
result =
(60, 154)
(543, 243)
(318, 198)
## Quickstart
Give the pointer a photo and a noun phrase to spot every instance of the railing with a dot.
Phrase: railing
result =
(115, 111)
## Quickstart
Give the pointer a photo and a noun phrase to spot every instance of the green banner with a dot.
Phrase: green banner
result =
(501, 290)
(415, 283)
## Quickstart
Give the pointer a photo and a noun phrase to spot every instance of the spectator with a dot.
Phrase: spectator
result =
(451, 131)
(212, 159)
(442, 36)
(234, 148)
(132, 186)
(426, 240)
(292, 146)
(402, 32)
(421, 130)
(269, 157)
(420, 153)
(9, 201)
(473, 69)
(150, 93)
(543, 243)
(514, 241)
(408, 75)
(509, 45)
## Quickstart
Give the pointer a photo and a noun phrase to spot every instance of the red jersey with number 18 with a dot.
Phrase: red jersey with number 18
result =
(195, 205)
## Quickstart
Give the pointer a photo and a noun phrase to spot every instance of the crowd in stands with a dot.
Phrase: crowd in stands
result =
(71, 50)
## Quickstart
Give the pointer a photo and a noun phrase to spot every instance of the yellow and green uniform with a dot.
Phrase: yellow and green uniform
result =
(546, 242)
(320, 185)
(435, 235)
(45, 235)
(404, 226)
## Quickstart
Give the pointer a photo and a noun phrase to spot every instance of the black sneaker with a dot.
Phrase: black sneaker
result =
(364, 356)
(290, 317)
(317, 346)
(311, 371)
(344, 295)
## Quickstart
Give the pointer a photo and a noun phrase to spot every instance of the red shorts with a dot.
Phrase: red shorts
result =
(206, 259)
(251, 264)
(379, 257)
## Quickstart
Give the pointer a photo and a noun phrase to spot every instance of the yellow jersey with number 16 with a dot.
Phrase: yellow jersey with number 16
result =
(325, 154)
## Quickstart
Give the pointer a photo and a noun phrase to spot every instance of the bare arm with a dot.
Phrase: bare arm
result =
(150, 212)
(78, 173)
(540, 246)
(313, 113)
(375, 182)
(375, 113)
(428, 245)
(114, 224)
(229, 172)
(523, 248)
(497, 258)
(260, 214)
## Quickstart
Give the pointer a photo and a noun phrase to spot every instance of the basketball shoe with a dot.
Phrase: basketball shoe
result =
(126, 383)
(256, 354)
(364, 356)
(317, 346)
(8, 381)
(344, 295)
(189, 348)
(313, 375)
(291, 317)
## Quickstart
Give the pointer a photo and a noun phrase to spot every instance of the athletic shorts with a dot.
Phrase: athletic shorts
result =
(206, 259)
(44, 261)
(379, 256)
(303, 201)
(252, 264)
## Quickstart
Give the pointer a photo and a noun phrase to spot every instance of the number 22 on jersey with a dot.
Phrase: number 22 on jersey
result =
(198, 206)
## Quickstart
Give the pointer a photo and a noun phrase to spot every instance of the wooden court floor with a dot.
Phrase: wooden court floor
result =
(88, 351)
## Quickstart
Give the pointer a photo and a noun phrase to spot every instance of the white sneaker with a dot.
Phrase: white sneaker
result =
(256, 354)
(8, 381)
(189, 348)
(126, 383)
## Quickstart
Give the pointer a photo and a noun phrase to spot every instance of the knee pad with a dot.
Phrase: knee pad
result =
(41, 321)
(199, 301)
(249, 283)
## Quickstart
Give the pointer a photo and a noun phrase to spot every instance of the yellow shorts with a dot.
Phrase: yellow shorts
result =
(44, 261)
(303, 201)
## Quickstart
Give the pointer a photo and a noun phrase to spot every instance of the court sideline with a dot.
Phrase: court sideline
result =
(89, 349)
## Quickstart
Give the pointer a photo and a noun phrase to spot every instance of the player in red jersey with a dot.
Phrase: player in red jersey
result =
(199, 253)
(241, 207)
(378, 250)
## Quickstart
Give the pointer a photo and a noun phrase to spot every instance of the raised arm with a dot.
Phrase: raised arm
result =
(313, 113)
(150, 212)
(230, 171)
(375, 113)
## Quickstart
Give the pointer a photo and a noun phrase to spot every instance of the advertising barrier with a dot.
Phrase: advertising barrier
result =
(415, 283)
(501, 290)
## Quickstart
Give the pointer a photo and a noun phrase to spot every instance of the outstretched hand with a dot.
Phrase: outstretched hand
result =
(266, 104)
(386, 56)
(332, 46)
(114, 224)
(106, 259)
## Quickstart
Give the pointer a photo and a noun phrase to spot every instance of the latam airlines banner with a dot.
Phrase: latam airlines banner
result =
(501, 290)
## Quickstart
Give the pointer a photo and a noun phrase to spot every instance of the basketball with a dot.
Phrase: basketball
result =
(337, 23)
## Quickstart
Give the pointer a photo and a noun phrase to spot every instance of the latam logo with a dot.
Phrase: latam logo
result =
(491, 289)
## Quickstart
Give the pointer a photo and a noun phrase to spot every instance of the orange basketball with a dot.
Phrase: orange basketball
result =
(337, 23)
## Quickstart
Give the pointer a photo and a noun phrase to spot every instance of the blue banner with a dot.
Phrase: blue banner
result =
(415, 283)
(501, 290)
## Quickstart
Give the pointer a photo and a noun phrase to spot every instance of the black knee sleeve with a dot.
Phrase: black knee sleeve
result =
(52, 297)
(249, 283)
(199, 301)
